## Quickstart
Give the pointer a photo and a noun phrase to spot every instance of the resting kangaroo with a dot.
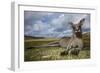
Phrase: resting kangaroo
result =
(73, 45)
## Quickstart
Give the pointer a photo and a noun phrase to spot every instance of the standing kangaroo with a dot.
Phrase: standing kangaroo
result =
(73, 45)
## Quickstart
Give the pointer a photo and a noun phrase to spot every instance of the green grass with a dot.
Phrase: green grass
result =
(53, 53)
(36, 42)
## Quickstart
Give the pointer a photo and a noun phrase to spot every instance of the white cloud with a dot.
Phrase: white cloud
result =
(58, 22)
(40, 26)
(52, 23)
(35, 15)
(62, 21)
(64, 33)
(37, 27)
(51, 30)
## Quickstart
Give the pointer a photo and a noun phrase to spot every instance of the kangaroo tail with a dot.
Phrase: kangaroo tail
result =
(51, 44)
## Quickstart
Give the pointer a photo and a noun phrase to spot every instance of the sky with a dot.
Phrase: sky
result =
(52, 24)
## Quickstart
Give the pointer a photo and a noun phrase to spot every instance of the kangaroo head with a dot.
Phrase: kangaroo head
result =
(77, 28)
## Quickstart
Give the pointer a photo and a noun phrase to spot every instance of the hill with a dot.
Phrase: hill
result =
(32, 37)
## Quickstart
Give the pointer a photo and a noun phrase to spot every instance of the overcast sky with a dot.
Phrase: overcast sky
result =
(52, 24)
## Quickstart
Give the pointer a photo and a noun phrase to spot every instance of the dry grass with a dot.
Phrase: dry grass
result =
(53, 53)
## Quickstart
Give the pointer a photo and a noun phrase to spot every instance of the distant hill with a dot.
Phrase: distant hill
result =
(32, 37)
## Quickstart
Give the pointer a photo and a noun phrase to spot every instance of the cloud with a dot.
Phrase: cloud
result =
(65, 33)
(39, 26)
(58, 21)
(52, 24)
(35, 14)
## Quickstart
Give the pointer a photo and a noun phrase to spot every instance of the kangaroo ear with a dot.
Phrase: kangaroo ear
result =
(81, 21)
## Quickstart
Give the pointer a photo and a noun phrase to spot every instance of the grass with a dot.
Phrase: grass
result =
(52, 53)
(36, 42)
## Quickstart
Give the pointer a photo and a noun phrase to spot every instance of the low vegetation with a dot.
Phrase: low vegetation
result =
(53, 53)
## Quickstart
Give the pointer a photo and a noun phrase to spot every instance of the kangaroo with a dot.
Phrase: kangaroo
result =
(72, 45)
(75, 44)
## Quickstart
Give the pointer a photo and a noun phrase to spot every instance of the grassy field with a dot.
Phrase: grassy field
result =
(52, 53)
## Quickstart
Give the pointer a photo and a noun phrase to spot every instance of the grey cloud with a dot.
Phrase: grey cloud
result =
(51, 24)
